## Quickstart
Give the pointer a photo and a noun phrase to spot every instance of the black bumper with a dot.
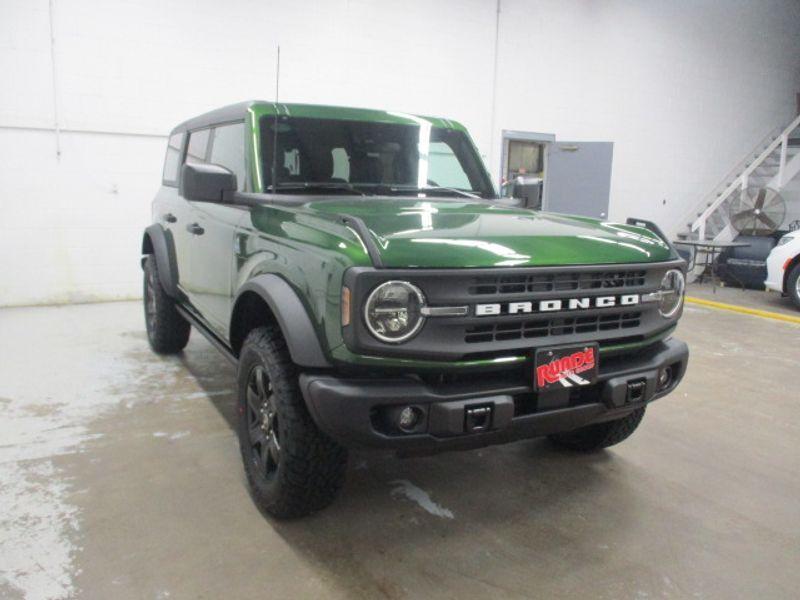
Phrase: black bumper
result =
(361, 412)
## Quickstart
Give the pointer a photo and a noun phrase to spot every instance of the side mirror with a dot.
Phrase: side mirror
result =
(206, 183)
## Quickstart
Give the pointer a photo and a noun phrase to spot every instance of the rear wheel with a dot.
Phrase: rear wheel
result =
(292, 468)
(600, 435)
(793, 285)
(167, 331)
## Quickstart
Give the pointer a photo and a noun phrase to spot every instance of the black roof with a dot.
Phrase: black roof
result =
(232, 112)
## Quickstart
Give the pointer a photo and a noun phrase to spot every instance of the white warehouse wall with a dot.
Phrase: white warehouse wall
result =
(683, 89)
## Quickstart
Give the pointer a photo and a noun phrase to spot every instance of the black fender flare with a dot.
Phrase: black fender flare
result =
(158, 242)
(292, 317)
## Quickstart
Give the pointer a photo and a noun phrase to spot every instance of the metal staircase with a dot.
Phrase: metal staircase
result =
(773, 164)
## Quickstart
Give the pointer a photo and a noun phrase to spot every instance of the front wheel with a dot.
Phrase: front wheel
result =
(292, 468)
(793, 285)
(600, 435)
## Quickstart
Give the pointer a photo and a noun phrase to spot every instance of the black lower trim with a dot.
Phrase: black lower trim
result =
(362, 412)
(209, 335)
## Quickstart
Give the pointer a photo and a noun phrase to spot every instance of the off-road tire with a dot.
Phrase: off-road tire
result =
(311, 467)
(793, 285)
(167, 331)
(600, 435)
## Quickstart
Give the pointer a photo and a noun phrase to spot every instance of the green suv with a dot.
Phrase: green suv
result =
(372, 290)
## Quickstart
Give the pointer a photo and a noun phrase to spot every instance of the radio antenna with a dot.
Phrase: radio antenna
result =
(275, 133)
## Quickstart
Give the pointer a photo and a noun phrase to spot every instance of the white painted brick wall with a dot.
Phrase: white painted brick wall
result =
(682, 88)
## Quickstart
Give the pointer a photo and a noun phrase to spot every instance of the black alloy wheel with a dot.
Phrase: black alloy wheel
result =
(292, 468)
(262, 423)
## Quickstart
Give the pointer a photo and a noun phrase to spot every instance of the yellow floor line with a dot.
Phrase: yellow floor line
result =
(742, 309)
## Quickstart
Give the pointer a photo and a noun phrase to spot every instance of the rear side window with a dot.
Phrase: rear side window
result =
(172, 160)
(227, 150)
(198, 146)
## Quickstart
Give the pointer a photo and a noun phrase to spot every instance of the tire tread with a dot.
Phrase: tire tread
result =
(313, 466)
(171, 332)
(600, 435)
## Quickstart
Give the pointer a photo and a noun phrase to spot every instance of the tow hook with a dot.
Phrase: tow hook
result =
(477, 418)
(636, 390)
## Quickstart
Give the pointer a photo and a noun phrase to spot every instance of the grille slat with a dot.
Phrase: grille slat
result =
(535, 328)
(555, 282)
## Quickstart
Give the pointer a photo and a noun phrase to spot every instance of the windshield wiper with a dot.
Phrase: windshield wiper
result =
(327, 186)
(466, 193)
(384, 188)
(388, 188)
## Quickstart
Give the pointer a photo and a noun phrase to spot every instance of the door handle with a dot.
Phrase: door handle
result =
(195, 229)
(170, 218)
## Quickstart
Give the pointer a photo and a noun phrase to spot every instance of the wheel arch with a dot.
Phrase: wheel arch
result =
(791, 265)
(269, 299)
(158, 242)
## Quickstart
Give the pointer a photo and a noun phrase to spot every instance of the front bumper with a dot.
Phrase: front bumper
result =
(359, 411)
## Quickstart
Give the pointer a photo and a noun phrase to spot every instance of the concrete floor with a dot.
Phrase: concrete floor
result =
(759, 299)
(120, 478)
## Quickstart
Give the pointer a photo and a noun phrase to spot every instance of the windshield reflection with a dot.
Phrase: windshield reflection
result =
(329, 156)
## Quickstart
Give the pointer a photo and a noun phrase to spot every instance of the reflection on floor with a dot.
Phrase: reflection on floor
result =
(120, 478)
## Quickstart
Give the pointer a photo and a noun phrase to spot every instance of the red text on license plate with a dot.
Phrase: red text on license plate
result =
(575, 367)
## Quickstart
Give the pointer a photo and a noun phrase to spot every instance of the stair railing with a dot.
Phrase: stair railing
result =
(741, 181)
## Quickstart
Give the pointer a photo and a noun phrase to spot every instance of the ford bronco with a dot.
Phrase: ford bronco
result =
(359, 270)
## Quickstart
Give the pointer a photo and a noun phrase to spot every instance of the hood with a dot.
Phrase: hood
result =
(453, 233)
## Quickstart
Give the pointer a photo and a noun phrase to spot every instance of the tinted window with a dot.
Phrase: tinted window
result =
(227, 150)
(172, 160)
(198, 146)
(371, 156)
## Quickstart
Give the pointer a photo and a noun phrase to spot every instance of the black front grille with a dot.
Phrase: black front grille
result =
(501, 332)
(538, 328)
(555, 282)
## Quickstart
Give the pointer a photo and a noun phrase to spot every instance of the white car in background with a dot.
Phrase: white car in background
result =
(783, 267)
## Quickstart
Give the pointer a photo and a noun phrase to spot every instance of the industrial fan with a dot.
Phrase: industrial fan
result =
(757, 211)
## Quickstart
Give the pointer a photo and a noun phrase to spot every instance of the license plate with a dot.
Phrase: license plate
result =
(565, 367)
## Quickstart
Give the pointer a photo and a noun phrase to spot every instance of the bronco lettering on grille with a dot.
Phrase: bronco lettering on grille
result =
(518, 308)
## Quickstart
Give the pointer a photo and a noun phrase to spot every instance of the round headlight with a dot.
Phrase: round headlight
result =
(392, 311)
(672, 289)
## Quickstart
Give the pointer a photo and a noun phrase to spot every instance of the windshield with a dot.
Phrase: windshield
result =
(365, 157)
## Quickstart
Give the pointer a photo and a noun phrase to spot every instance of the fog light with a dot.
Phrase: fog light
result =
(408, 418)
(664, 378)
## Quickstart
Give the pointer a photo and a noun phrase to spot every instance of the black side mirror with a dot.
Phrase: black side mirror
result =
(206, 183)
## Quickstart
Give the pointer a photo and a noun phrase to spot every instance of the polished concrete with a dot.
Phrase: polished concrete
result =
(120, 478)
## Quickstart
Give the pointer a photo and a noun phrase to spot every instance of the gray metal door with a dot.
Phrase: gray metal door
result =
(578, 178)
